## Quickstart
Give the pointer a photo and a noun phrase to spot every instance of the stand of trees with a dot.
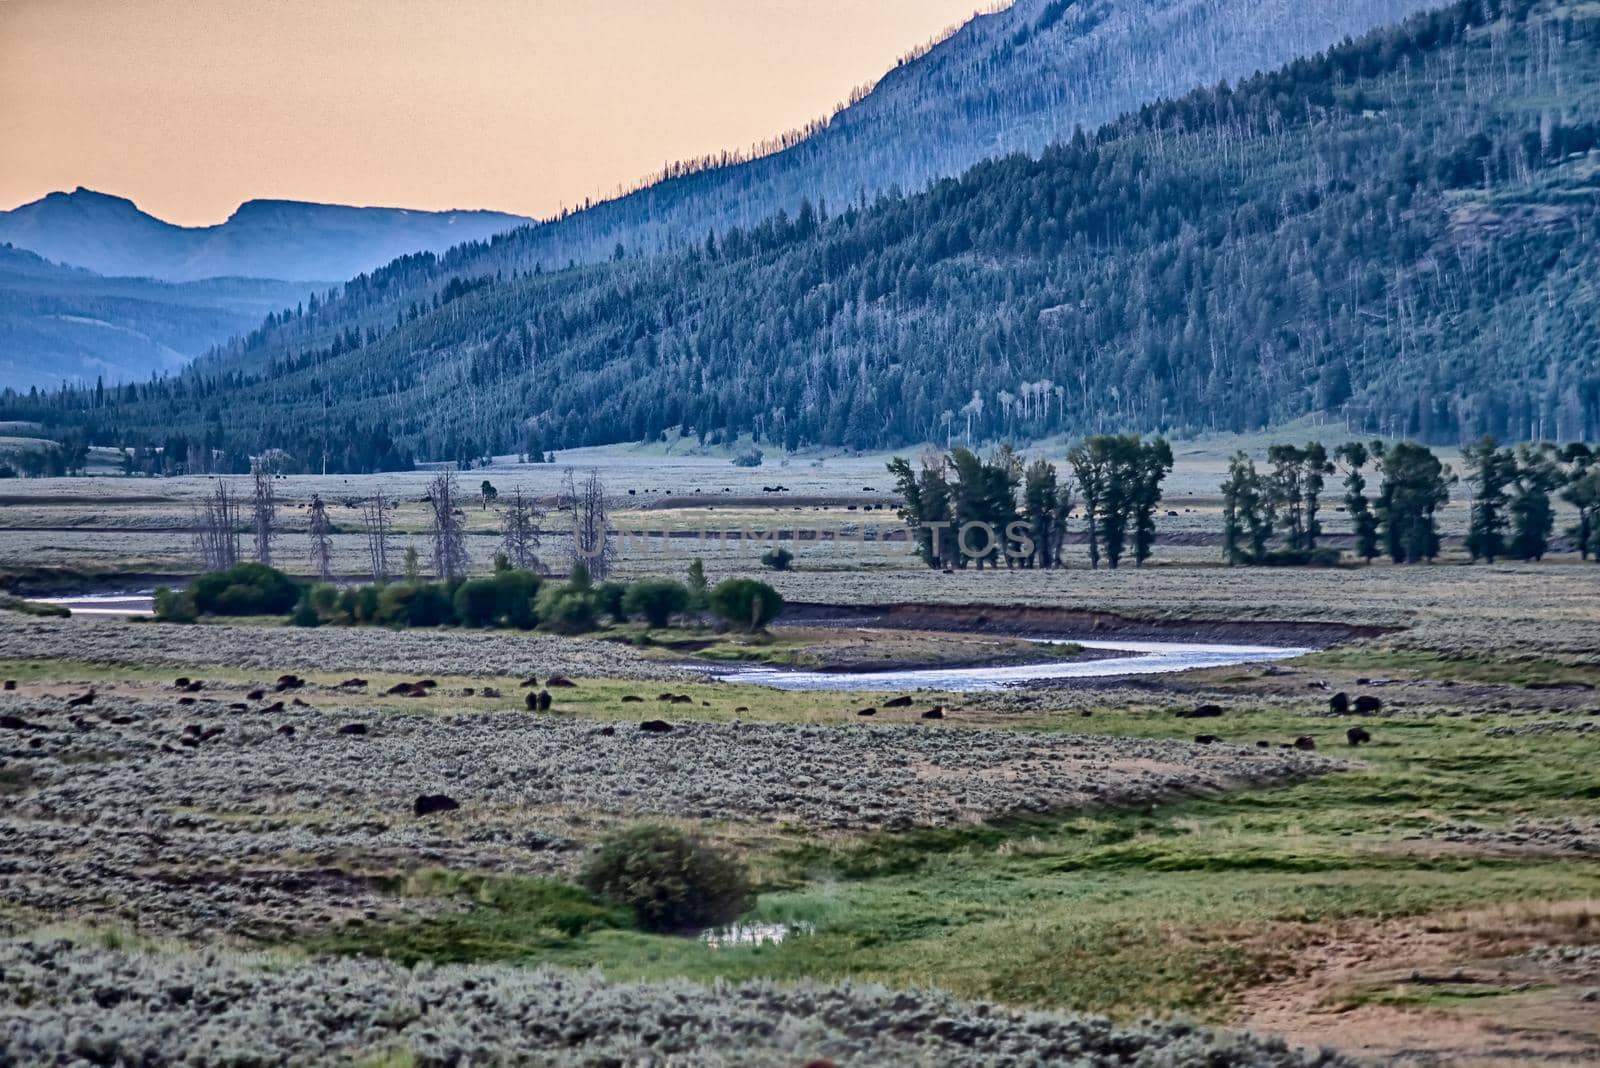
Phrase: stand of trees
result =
(1513, 492)
(1403, 520)
(968, 511)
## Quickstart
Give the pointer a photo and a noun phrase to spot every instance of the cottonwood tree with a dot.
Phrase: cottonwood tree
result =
(1295, 491)
(1490, 471)
(1415, 486)
(1046, 501)
(520, 520)
(588, 510)
(446, 533)
(319, 531)
(375, 521)
(1363, 523)
(963, 509)
(1152, 464)
(985, 499)
(927, 507)
(1119, 477)
(1583, 493)
(1091, 467)
(216, 524)
(1537, 474)
(1246, 512)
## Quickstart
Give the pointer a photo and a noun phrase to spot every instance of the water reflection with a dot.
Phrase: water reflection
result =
(753, 934)
(1141, 658)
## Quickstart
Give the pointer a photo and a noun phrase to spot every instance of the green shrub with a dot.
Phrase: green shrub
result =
(422, 605)
(778, 558)
(516, 592)
(362, 603)
(174, 606)
(608, 596)
(566, 610)
(672, 881)
(699, 595)
(248, 589)
(477, 602)
(305, 613)
(324, 598)
(657, 600)
(746, 603)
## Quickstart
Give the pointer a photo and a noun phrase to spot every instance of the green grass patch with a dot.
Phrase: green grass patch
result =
(499, 919)
(1503, 670)
(1431, 996)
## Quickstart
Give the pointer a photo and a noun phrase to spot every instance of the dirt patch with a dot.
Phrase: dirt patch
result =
(1043, 621)
(1497, 986)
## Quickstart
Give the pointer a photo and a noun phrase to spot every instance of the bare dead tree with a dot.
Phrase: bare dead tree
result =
(589, 512)
(375, 518)
(264, 506)
(520, 519)
(319, 531)
(216, 529)
(450, 560)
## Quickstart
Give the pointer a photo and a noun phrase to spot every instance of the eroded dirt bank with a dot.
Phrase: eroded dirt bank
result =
(1042, 621)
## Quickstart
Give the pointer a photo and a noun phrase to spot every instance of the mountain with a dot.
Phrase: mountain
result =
(68, 324)
(1402, 233)
(280, 239)
(1013, 80)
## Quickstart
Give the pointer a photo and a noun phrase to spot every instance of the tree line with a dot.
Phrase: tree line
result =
(966, 511)
(1270, 517)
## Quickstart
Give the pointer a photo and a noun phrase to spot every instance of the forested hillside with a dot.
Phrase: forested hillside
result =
(1017, 79)
(1013, 80)
(1403, 231)
(65, 324)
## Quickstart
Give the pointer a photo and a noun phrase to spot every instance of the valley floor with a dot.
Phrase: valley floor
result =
(1431, 896)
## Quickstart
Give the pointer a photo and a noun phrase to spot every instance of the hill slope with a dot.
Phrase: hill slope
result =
(281, 239)
(67, 324)
(1015, 80)
(1403, 232)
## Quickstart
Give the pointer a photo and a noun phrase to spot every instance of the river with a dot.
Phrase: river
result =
(1129, 658)
(104, 604)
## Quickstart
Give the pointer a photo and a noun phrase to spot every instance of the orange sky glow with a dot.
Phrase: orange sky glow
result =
(191, 106)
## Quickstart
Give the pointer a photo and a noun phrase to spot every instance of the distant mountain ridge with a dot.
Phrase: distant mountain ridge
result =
(66, 324)
(287, 240)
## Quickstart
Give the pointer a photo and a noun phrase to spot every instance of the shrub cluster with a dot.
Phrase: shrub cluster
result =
(745, 603)
(671, 880)
(247, 589)
(507, 599)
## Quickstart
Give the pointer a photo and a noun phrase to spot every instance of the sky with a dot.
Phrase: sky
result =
(189, 107)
